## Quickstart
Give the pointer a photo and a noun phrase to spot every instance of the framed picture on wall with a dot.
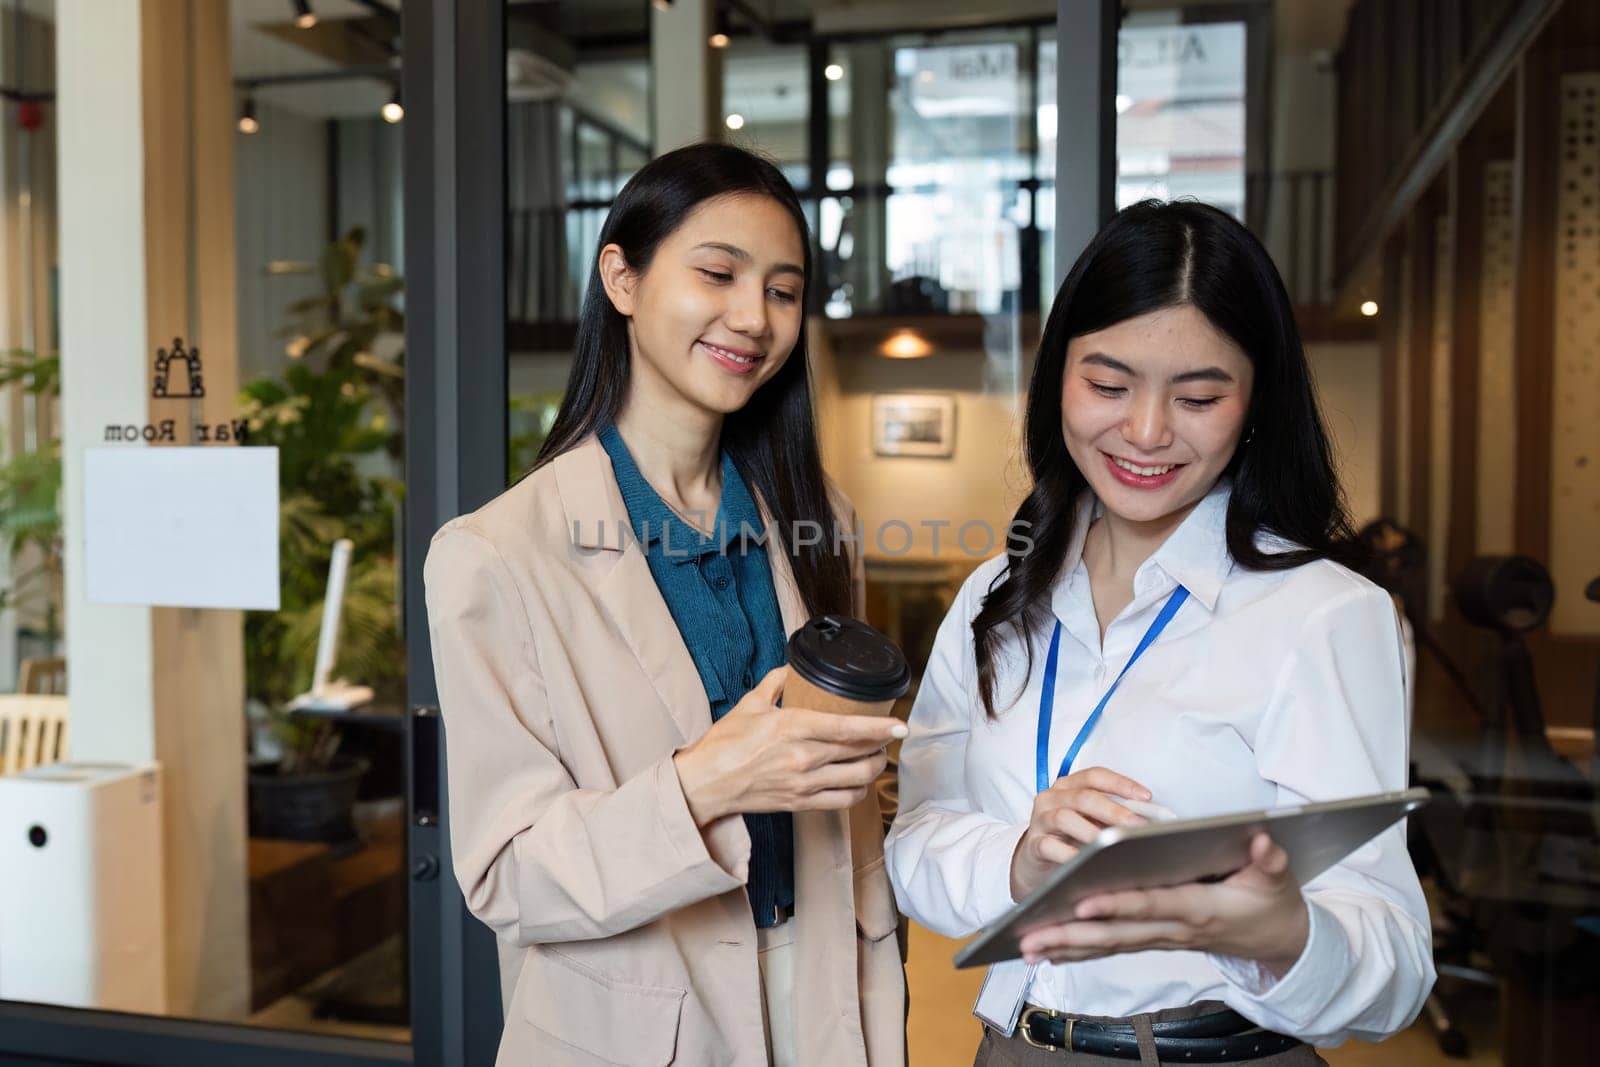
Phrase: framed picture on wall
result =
(914, 424)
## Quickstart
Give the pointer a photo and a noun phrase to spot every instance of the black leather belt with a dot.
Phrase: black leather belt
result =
(1216, 1037)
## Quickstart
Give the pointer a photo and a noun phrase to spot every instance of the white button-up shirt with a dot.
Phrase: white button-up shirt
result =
(1267, 688)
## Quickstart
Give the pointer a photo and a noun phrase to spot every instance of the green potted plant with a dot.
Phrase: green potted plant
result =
(30, 506)
(532, 415)
(333, 416)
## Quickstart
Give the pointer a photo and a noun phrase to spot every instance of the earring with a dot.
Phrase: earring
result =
(1251, 436)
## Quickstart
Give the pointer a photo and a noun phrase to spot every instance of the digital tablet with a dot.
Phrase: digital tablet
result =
(1316, 836)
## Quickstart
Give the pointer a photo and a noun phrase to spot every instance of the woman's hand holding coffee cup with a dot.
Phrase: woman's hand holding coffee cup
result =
(760, 757)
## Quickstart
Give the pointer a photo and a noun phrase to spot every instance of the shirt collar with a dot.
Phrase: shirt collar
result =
(1195, 555)
(651, 518)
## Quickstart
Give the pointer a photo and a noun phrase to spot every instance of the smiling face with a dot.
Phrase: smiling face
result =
(1152, 410)
(719, 308)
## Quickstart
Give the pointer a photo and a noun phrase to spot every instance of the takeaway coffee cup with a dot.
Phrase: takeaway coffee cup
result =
(842, 665)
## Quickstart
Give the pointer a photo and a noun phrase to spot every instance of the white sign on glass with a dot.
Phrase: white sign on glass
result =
(181, 527)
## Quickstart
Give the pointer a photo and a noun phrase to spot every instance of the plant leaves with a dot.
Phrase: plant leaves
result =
(338, 264)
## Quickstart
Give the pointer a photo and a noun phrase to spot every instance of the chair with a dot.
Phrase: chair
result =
(33, 731)
(40, 676)
(1510, 838)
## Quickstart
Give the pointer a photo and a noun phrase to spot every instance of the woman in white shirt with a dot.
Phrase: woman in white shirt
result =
(1183, 487)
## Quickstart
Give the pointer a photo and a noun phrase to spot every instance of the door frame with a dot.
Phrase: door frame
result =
(455, 77)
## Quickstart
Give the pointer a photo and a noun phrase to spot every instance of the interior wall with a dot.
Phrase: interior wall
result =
(281, 191)
(983, 480)
(614, 91)
(778, 140)
(826, 397)
(370, 186)
(1296, 217)
(1348, 384)
(538, 372)
(1304, 99)
(1575, 372)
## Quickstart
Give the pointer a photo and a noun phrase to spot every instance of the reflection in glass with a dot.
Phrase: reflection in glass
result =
(577, 128)
(323, 379)
(1180, 118)
(940, 175)
(1180, 113)
(1180, 110)
(299, 886)
(567, 158)
(767, 87)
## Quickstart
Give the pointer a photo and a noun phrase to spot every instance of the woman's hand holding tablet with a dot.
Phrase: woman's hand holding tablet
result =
(1071, 813)
(1256, 913)
(1224, 884)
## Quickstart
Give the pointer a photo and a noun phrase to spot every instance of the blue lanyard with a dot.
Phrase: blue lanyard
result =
(1047, 695)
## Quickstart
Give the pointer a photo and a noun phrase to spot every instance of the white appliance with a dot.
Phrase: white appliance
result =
(81, 911)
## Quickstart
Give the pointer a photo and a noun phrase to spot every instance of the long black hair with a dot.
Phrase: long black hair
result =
(773, 438)
(1150, 256)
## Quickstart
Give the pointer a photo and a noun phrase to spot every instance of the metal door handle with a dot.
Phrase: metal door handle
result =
(424, 765)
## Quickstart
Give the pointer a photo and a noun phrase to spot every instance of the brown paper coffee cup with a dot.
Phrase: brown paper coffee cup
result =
(798, 692)
(842, 665)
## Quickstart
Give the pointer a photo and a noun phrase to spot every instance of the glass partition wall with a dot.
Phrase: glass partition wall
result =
(219, 794)
(343, 236)
(265, 853)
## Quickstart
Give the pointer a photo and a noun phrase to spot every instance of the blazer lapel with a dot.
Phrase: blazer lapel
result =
(790, 606)
(598, 521)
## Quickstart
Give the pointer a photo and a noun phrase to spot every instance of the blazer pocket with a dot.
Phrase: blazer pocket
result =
(876, 916)
(618, 1022)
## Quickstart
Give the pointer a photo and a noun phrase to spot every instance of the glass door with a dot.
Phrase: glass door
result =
(244, 251)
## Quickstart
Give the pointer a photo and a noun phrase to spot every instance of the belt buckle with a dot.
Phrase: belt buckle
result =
(1027, 1035)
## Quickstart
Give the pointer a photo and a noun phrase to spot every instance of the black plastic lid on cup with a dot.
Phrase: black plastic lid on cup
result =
(849, 658)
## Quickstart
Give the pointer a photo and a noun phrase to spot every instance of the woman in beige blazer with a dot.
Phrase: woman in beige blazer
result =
(602, 823)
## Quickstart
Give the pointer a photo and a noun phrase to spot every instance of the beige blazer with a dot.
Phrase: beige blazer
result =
(626, 935)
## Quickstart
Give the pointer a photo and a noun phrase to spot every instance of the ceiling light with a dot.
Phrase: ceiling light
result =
(304, 17)
(1369, 308)
(905, 344)
(719, 40)
(735, 121)
(247, 116)
(833, 72)
(392, 111)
